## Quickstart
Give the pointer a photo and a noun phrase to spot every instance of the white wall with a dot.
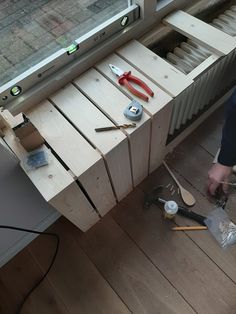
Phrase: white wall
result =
(20, 205)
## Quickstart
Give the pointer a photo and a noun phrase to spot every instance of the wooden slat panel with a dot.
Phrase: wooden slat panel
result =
(112, 102)
(83, 160)
(158, 107)
(130, 273)
(50, 180)
(56, 186)
(73, 204)
(181, 261)
(225, 259)
(113, 144)
(17, 278)
(74, 277)
(188, 25)
(170, 79)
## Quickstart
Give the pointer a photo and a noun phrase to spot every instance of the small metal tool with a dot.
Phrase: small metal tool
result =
(116, 127)
(124, 78)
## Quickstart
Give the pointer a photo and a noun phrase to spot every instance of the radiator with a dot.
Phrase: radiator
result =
(209, 85)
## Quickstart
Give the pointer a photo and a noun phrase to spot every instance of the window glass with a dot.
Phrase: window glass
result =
(31, 30)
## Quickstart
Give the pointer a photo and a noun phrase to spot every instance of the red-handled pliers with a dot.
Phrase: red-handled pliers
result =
(124, 78)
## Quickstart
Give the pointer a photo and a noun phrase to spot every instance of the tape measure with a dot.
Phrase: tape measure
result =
(133, 111)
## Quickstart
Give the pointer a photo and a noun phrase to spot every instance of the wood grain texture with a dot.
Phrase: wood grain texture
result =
(158, 107)
(17, 277)
(213, 39)
(171, 80)
(225, 259)
(113, 145)
(81, 158)
(142, 287)
(50, 180)
(190, 271)
(74, 277)
(112, 103)
(73, 204)
(55, 184)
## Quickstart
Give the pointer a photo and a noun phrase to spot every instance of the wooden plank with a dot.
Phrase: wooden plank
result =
(113, 145)
(74, 277)
(199, 161)
(202, 67)
(17, 278)
(54, 182)
(159, 107)
(50, 180)
(181, 261)
(112, 102)
(81, 158)
(190, 26)
(225, 259)
(129, 272)
(156, 69)
(73, 204)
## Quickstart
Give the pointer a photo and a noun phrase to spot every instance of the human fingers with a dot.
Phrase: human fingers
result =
(212, 186)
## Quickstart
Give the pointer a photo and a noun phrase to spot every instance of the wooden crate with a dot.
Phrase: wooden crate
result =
(112, 145)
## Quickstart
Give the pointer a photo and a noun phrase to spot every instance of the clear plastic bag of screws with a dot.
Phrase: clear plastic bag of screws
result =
(221, 227)
(36, 159)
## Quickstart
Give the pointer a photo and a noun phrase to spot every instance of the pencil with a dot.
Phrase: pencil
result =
(189, 228)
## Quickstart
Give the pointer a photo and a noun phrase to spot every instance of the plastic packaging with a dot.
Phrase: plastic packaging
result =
(36, 159)
(220, 226)
(171, 209)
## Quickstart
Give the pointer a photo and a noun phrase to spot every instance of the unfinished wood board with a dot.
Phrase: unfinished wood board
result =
(225, 259)
(129, 272)
(202, 67)
(170, 79)
(113, 102)
(113, 145)
(54, 182)
(159, 107)
(23, 269)
(190, 26)
(74, 277)
(180, 260)
(50, 180)
(81, 158)
(199, 161)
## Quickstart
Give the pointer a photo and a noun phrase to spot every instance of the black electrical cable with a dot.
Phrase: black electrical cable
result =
(50, 266)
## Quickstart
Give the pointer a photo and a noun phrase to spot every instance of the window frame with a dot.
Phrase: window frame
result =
(59, 69)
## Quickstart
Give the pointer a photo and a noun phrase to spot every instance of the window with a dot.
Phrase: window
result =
(42, 37)
(32, 30)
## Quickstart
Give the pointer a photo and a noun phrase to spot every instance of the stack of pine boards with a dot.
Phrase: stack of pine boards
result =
(89, 172)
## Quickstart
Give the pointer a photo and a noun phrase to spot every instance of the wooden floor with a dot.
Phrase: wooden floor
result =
(131, 262)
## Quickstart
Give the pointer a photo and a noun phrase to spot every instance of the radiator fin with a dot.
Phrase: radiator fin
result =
(209, 85)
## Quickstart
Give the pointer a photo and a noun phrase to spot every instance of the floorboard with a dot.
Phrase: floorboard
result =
(74, 277)
(189, 269)
(130, 273)
(16, 279)
(131, 261)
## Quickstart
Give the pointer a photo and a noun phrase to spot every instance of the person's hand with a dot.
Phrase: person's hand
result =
(217, 174)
